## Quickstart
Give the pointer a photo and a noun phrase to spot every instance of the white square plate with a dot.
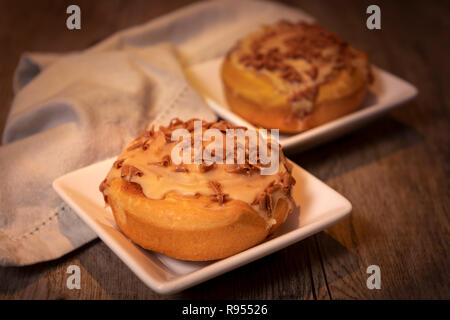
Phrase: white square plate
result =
(387, 92)
(321, 207)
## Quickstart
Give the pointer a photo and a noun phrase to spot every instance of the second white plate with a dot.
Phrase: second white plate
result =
(387, 92)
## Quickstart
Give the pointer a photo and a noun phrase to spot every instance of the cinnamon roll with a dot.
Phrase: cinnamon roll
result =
(294, 76)
(194, 211)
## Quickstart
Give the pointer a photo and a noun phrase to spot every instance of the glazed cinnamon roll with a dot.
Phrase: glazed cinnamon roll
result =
(194, 211)
(294, 76)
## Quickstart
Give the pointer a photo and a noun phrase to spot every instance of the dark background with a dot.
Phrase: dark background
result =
(395, 171)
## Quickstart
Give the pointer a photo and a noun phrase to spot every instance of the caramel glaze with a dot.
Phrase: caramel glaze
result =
(146, 161)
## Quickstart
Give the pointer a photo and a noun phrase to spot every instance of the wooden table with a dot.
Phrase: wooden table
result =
(395, 171)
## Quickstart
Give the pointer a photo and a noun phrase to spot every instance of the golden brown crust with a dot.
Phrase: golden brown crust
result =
(183, 227)
(280, 118)
(318, 77)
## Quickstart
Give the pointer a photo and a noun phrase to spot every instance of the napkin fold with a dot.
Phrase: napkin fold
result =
(71, 110)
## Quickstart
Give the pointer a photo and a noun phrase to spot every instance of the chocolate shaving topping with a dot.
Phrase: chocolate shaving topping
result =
(146, 144)
(174, 122)
(128, 172)
(223, 126)
(190, 125)
(308, 94)
(179, 124)
(135, 146)
(206, 167)
(167, 133)
(181, 168)
(165, 162)
(272, 187)
(219, 196)
(264, 201)
(289, 166)
(168, 138)
(313, 72)
(287, 182)
(246, 168)
(103, 185)
(118, 163)
(216, 186)
(291, 75)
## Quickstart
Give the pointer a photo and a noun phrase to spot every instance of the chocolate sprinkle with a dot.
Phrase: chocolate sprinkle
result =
(181, 168)
(135, 146)
(219, 196)
(264, 199)
(118, 163)
(165, 162)
(128, 172)
(205, 167)
(103, 186)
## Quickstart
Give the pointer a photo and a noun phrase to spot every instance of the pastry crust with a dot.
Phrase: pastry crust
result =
(294, 77)
(185, 227)
(187, 214)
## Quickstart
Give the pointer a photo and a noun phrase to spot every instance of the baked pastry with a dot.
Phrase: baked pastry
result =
(294, 76)
(194, 211)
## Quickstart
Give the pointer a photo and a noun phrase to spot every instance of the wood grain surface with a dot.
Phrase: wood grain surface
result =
(395, 171)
